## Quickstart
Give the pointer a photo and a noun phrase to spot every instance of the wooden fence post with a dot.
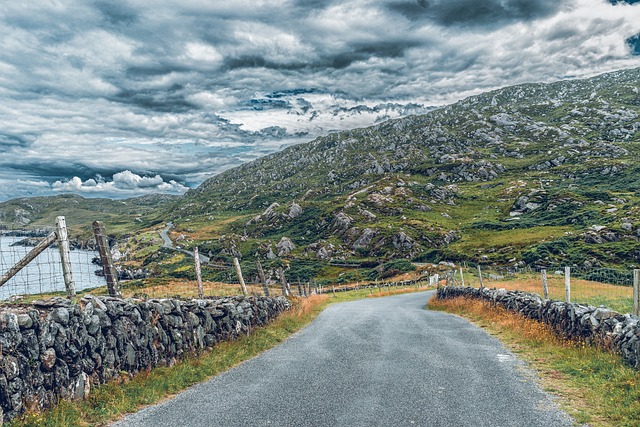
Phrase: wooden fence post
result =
(236, 264)
(636, 292)
(283, 282)
(299, 288)
(109, 270)
(33, 253)
(65, 257)
(480, 274)
(263, 279)
(545, 284)
(461, 276)
(567, 284)
(196, 258)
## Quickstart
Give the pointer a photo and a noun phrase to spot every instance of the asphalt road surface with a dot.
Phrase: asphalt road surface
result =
(169, 244)
(373, 362)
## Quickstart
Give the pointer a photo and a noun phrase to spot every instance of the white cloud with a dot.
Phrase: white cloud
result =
(169, 89)
(125, 183)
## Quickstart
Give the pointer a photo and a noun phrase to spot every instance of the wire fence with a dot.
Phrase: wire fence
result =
(44, 274)
(596, 286)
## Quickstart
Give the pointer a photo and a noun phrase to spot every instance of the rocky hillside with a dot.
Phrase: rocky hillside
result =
(531, 173)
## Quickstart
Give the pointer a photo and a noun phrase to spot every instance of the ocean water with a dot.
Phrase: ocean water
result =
(44, 274)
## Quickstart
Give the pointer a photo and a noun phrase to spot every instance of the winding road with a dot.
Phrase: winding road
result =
(169, 244)
(373, 362)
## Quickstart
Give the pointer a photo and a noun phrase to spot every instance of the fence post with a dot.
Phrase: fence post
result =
(636, 292)
(41, 247)
(263, 279)
(283, 282)
(236, 264)
(299, 287)
(65, 258)
(567, 284)
(480, 274)
(545, 283)
(196, 258)
(110, 272)
(461, 276)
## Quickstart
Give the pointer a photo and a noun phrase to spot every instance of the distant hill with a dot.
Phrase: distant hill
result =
(529, 174)
(34, 212)
(534, 173)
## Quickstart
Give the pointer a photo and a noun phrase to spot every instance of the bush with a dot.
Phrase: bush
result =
(395, 267)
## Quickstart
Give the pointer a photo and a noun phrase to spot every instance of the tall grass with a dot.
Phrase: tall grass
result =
(593, 385)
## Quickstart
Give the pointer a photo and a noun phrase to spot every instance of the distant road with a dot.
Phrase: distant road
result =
(373, 362)
(169, 244)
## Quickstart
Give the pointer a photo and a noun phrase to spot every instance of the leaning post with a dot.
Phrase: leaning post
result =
(263, 279)
(65, 256)
(286, 290)
(236, 264)
(109, 270)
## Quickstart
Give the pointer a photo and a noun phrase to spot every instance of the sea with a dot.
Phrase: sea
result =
(44, 274)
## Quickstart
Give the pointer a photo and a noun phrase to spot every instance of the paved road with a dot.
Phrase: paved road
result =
(374, 362)
(169, 244)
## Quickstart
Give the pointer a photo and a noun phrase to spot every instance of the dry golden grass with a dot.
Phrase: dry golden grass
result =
(163, 288)
(593, 385)
(618, 298)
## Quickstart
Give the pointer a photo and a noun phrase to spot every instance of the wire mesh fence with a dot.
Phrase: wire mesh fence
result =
(44, 274)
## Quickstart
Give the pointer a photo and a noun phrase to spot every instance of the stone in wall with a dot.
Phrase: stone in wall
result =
(596, 325)
(54, 349)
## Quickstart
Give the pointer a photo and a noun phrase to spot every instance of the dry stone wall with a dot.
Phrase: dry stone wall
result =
(55, 350)
(597, 325)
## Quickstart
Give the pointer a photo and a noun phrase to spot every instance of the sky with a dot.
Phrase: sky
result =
(111, 98)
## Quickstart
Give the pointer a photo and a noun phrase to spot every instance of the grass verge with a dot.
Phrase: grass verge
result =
(111, 401)
(592, 385)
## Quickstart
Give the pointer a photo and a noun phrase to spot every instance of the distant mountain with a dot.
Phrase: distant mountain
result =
(555, 159)
(529, 174)
(310, 112)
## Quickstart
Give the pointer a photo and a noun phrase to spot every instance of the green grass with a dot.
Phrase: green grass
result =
(593, 385)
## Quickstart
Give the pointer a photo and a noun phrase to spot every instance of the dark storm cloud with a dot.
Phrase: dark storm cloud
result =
(257, 61)
(105, 96)
(51, 170)
(363, 52)
(8, 140)
(634, 44)
(169, 101)
(117, 13)
(475, 12)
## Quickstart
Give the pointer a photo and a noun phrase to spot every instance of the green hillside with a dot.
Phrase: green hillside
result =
(530, 174)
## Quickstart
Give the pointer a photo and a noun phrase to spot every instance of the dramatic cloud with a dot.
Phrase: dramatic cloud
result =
(119, 98)
(125, 181)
